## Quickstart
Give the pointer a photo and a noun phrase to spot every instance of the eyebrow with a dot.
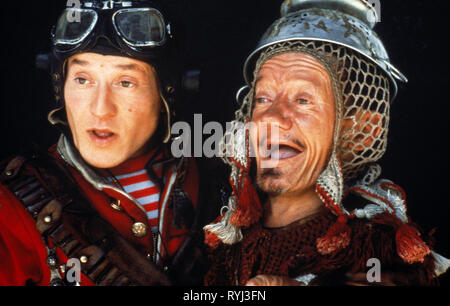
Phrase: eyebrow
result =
(129, 67)
(76, 61)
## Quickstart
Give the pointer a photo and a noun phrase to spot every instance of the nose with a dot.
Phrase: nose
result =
(279, 113)
(103, 105)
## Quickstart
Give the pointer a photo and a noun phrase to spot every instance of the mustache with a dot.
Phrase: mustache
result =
(287, 138)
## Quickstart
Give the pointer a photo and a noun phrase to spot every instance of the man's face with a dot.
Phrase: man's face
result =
(293, 93)
(113, 107)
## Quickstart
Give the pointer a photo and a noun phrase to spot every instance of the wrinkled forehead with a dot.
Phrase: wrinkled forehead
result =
(290, 60)
(290, 66)
(97, 60)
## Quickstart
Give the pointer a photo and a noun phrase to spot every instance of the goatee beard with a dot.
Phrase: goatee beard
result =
(269, 174)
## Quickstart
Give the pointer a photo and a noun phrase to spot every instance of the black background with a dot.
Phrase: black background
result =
(216, 38)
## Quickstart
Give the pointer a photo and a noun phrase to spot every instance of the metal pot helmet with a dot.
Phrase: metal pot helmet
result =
(343, 31)
(135, 29)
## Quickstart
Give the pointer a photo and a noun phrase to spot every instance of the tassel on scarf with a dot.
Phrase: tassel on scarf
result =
(410, 247)
(224, 231)
(336, 238)
(211, 240)
(441, 264)
(212, 232)
(248, 210)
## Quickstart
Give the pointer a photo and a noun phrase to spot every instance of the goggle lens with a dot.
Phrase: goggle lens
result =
(140, 27)
(74, 25)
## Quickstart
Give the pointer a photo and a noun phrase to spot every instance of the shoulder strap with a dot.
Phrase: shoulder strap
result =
(64, 215)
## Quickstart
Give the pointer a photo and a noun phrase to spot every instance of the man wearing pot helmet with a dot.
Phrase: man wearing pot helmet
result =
(108, 204)
(322, 81)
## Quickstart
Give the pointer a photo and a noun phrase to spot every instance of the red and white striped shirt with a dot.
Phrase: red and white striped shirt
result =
(139, 186)
(135, 181)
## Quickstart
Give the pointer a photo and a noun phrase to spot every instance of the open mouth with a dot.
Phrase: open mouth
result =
(284, 151)
(102, 137)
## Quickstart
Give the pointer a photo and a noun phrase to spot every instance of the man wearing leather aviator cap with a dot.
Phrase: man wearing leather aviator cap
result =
(108, 198)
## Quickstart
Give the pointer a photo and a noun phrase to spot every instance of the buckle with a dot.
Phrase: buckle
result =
(108, 5)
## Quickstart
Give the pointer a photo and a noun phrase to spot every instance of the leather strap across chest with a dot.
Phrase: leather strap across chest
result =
(66, 217)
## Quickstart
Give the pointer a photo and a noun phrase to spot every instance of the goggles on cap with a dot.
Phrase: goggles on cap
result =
(136, 27)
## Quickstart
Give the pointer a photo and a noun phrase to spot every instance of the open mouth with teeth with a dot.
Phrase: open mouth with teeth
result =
(283, 151)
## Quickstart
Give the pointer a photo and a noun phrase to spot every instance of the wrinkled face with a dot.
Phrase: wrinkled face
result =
(113, 107)
(293, 93)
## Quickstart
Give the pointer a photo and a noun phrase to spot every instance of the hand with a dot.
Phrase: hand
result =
(272, 280)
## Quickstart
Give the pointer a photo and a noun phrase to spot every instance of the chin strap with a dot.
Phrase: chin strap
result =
(167, 108)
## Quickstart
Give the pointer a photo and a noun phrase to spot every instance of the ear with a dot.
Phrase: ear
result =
(370, 124)
(355, 133)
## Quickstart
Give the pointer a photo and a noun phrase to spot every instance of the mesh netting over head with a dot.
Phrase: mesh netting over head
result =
(363, 95)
